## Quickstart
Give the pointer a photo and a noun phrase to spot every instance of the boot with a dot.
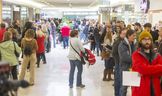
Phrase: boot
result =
(105, 75)
(110, 71)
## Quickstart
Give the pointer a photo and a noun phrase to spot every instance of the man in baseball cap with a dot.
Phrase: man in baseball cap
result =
(149, 65)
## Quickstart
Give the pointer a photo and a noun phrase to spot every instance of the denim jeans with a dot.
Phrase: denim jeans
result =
(98, 47)
(41, 56)
(65, 42)
(54, 39)
(14, 72)
(73, 65)
(123, 89)
(117, 83)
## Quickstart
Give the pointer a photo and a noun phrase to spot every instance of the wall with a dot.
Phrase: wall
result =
(156, 16)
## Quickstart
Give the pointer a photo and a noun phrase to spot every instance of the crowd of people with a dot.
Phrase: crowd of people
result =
(131, 47)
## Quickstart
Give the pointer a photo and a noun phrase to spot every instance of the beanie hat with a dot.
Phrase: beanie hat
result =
(143, 35)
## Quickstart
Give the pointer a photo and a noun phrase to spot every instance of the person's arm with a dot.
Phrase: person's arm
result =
(148, 70)
(18, 49)
(22, 43)
(80, 45)
(35, 45)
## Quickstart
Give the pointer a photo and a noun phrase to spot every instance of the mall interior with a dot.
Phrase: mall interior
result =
(43, 44)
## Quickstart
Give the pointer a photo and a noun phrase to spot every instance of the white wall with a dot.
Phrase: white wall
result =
(156, 17)
(155, 4)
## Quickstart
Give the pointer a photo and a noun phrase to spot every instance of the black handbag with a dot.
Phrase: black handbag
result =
(16, 53)
(81, 57)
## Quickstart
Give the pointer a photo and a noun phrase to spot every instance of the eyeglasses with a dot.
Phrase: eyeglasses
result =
(146, 39)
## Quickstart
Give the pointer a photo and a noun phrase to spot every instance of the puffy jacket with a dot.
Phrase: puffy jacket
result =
(115, 53)
(7, 51)
(141, 64)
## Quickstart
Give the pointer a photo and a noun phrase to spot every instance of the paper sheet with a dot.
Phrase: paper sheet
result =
(131, 78)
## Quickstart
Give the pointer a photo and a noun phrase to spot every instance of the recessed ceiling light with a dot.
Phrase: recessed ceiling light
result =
(68, 0)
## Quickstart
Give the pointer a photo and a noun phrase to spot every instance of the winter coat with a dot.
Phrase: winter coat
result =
(7, 51)
(147, 70)
(2, 31)
(125, 51)
(78, 46)
(40, 42)
(65, 31)
(97, 35)
(115, 53)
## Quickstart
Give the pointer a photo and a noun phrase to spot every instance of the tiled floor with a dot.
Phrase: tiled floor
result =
(52, 78)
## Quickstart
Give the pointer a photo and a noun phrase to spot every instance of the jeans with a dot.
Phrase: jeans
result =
(117, 83)
(82, 36)
(65, 42)
(73, 65)
(54, 39)
(98, 47)
(123, 89)
(39, 57)
(14, 72)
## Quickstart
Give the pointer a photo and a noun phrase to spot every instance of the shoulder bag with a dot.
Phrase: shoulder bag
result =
(81, 57)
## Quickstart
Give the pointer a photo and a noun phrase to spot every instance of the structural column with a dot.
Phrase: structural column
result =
(16, 13)
(105, 12)
(0, 11)
(99, 18)
(37, 14)
(31, 14)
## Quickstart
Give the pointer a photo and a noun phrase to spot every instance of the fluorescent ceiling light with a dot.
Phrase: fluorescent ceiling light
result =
(26, 3)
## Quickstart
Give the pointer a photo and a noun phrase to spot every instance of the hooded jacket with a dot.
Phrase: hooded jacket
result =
(7, 52)
(147, 70)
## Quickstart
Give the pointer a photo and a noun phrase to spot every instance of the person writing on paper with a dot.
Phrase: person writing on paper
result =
(149, 65)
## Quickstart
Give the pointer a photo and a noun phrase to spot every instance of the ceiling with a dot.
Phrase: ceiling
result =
(69, 3)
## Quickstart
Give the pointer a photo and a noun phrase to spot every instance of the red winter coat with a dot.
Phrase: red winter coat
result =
(147, 70)
(40, 42)
(2, 31)
(65, 31)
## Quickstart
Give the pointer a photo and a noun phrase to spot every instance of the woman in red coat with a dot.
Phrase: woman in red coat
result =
(149, 65)
(41, 48)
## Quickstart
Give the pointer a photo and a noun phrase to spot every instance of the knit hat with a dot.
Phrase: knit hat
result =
(143, 35)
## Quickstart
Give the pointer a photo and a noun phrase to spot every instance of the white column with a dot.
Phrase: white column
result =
(0, 11)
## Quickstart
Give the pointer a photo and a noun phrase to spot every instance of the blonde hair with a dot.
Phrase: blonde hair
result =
(7, 36)
(30, 33)
(108, 34)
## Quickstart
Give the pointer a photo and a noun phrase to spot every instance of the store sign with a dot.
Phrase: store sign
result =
(104, 9)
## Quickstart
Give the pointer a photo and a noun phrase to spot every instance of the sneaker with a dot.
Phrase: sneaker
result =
(81, 86)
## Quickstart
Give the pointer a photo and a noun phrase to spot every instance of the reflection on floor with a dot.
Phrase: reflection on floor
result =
(52, 78)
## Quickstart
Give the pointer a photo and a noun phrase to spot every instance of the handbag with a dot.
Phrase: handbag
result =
(81, 57)
(16, 53)
(105, 54)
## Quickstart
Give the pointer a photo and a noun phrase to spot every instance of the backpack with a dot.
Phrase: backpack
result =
(27, 50)
(89, 56)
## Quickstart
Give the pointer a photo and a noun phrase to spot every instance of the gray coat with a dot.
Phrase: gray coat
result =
(125, 51)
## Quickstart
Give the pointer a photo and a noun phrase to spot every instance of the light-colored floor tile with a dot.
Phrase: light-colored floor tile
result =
(52, 78)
